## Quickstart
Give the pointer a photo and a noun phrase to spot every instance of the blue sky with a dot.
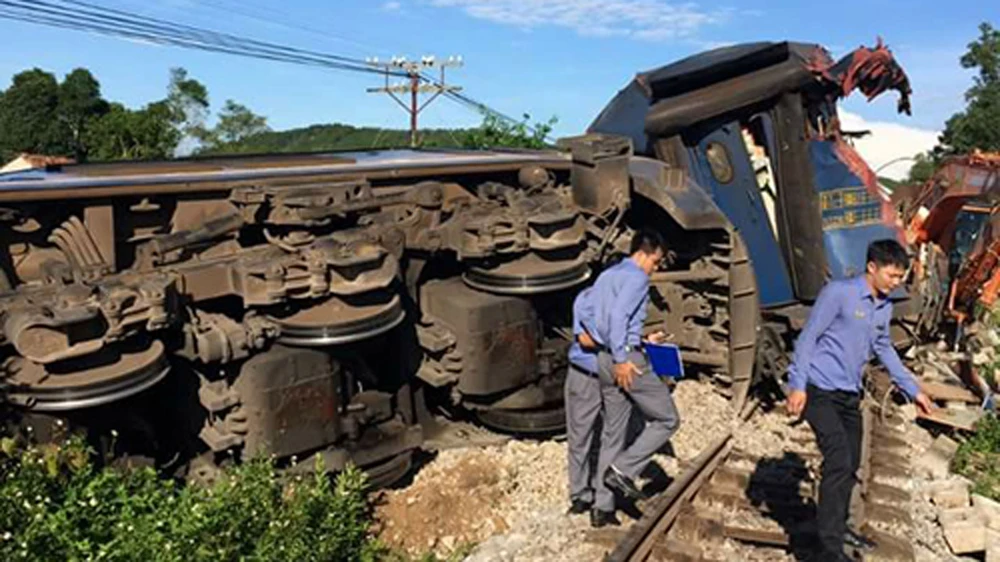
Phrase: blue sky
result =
(561, 58)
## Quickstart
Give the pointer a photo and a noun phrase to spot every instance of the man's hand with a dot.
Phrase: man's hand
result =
(796, 402)
(586, 341)
(658, 336)
(924, 404)
(624, 373)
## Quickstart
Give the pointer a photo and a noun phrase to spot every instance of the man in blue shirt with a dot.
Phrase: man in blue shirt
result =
(620, 296)
(583, 404)
(847, 325)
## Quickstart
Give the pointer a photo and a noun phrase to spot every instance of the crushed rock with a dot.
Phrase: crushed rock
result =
(928, 537)
(705, 417)
(510, 500)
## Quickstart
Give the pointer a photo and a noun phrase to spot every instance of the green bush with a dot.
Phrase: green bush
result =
(56, 505)
(978, 458)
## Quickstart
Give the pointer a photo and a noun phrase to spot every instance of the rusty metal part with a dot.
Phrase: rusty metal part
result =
(502, 221)
(529, 275)
(212, 338)
(314, 205)
(534, 177)
(600, 172)
(52, 324)
(74, 240)
(155, 251)
(338, 321)
(744, 318)
(107, 378)
(496, 336)
(673, 190)
(541, 421)
(290, 401)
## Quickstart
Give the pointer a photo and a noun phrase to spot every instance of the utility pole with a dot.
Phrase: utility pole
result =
(412, 73)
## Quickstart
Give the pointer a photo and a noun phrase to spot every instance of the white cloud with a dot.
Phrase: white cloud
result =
(392, 7)
(647, 20)
(887, 142)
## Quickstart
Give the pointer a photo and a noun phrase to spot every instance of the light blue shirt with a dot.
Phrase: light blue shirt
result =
(620, 296)
(846, 326)
(583, 315)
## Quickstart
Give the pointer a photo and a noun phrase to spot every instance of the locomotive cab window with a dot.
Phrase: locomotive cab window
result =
(719, 162)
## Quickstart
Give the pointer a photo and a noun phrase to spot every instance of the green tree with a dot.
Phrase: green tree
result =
(923, 168)
(187, 100)
(28, 115)
(498, 133)
(125, 134)
(977, 126)
(236, 123)
(80, 105)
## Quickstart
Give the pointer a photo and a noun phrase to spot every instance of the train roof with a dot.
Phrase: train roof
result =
(709, 67)
(698, 75)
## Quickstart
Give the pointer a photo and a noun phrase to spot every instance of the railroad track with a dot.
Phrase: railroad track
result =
(730, 494)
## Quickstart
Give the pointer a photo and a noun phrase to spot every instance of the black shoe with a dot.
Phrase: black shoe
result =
(618, 481)
(823, 555)
(600, 519)
(578, 507)
(857, 540)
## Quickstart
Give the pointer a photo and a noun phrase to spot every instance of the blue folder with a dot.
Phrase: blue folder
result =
(665, 358)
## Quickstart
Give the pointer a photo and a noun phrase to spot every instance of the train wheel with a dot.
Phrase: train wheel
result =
(542, 421)
(387, 473)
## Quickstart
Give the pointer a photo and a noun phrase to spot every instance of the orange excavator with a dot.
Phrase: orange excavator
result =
(953, 223)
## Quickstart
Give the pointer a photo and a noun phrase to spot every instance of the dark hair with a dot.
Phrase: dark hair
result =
(887, 252)
(647, 241)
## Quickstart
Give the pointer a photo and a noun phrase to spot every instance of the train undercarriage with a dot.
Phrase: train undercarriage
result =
(199, 312)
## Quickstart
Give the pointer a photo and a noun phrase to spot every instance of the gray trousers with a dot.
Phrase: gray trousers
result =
(583, 405)
(652, 397)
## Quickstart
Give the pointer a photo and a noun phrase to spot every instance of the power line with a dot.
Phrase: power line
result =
(273, 17)
(119, 23)
(78, 15)
(122, 15)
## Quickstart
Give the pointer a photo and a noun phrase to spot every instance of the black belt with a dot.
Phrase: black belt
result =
(587, 372)
(606, 349)
(628, 348)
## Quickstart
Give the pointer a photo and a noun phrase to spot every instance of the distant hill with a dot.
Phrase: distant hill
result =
(338, 136)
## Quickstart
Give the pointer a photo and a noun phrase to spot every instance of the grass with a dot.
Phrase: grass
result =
(978, 458)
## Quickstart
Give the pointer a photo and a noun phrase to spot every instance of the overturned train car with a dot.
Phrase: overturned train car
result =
(756, 126)
(214, 309)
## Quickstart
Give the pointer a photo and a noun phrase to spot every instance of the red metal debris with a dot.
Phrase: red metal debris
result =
(872, 71)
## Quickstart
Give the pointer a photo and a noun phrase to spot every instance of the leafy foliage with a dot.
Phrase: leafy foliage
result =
(923, 168)
(126, 134)
(28, 115)
(40, 115)
(978, 458)
(495, 132)
(187, 100)
(236, 122)
(976, 126)
(55, 505)
(492, 133)
(333, 137)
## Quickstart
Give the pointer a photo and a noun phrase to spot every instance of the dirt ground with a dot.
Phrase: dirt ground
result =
(451, 503)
